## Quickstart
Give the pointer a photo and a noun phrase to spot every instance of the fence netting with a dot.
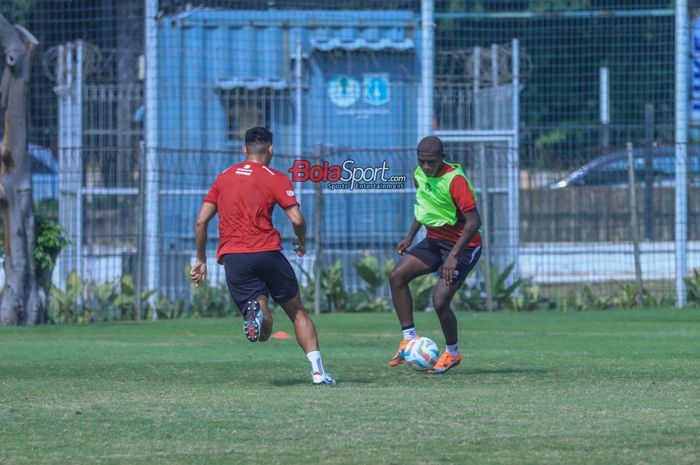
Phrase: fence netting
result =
(542, 103)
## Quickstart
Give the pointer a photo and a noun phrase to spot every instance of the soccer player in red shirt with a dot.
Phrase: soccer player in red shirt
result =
(446, 206)
(244, 196)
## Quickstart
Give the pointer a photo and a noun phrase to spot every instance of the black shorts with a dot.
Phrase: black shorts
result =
(434, 252)
(249, 275)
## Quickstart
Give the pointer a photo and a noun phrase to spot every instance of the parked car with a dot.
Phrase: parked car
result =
(610, 170)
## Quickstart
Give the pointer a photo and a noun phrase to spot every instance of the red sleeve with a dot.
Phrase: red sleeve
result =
(213, 193)
(283, 192)
(461, 194)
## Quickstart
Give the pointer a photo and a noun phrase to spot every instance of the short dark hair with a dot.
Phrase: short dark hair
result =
(257, 139)
(431, 145)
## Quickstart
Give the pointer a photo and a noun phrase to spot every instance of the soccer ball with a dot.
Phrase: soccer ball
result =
(421, 353)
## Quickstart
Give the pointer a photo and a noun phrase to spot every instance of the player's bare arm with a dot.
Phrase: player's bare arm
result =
(198, 272)
(471, 226)
(299, 225)
(405, 243)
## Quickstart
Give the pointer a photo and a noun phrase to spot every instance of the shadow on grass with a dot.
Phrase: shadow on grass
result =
(286, 382)
(497, 371)
(390, 380)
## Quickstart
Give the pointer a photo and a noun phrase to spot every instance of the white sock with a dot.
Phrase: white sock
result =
(452, 349)
(409, 333)
(316, 363)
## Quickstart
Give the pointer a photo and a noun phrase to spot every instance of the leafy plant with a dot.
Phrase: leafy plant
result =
(422, 290)
(503, 293)
(333, 286)
(363, 302)
(371, 273)
(627, 297)
(375, 277)
(210, 301)
(50, 240)
(667, 299)
(64, 305)
(588, 300)
(571, 300)
(692, 285)
(530, 299)
(167, 309)
(127, 299)
(102, 301)
(308, 291)
(470, 298)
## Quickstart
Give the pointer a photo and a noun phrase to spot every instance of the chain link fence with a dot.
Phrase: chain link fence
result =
(551, 93)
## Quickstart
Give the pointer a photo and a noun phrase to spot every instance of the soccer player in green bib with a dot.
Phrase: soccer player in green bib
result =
(446, 206)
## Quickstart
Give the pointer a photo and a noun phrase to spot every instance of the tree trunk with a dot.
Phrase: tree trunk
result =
(20, 300)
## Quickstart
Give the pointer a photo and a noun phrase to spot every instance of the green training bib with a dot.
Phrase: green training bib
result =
(434, 205)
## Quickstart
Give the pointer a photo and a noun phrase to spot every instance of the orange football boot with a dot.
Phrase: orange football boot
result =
(444, 363)
(399, 355)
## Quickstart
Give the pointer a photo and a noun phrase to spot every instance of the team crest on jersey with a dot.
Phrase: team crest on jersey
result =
(290, 193)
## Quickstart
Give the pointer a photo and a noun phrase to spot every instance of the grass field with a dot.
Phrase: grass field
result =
(616, 387)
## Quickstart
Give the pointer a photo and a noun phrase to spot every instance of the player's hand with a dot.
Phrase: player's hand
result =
(299, 248)
(403, 245)
(448, 269)
(198, 272)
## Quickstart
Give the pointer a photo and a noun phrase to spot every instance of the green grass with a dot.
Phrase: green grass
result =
(617, 387)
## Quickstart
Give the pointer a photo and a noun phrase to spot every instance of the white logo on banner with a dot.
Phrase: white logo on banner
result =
(375, 89)
(344, 90)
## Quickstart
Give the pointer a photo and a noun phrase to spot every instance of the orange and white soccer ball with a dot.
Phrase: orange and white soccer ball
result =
(421, 353)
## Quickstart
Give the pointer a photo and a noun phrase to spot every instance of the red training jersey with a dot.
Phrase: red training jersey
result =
(245, 195)
(464, 201)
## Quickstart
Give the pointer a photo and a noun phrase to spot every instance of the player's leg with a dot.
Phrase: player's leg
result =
(284, 289)
(307, 338)
(266, 329)
(408, 268)
(303, 325)
(418, 261)
(246, 289)
(442, 298)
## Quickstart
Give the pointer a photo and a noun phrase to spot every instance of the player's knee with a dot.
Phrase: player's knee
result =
(397, 278)
(441, 304)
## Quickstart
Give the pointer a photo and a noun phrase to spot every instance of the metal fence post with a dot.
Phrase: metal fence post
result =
(318, 245)
(485, 241)
(648, 172)
(150, 172)
(427, 58)
(139, 237)
(681, 130)
(635, 223)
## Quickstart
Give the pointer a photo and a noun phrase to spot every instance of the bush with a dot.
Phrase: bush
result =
(66, 306)
(422, 291)
(50, 240)
(374, 277)
(208, 301)
(627, 297)
(333, 287)
(692, 284)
